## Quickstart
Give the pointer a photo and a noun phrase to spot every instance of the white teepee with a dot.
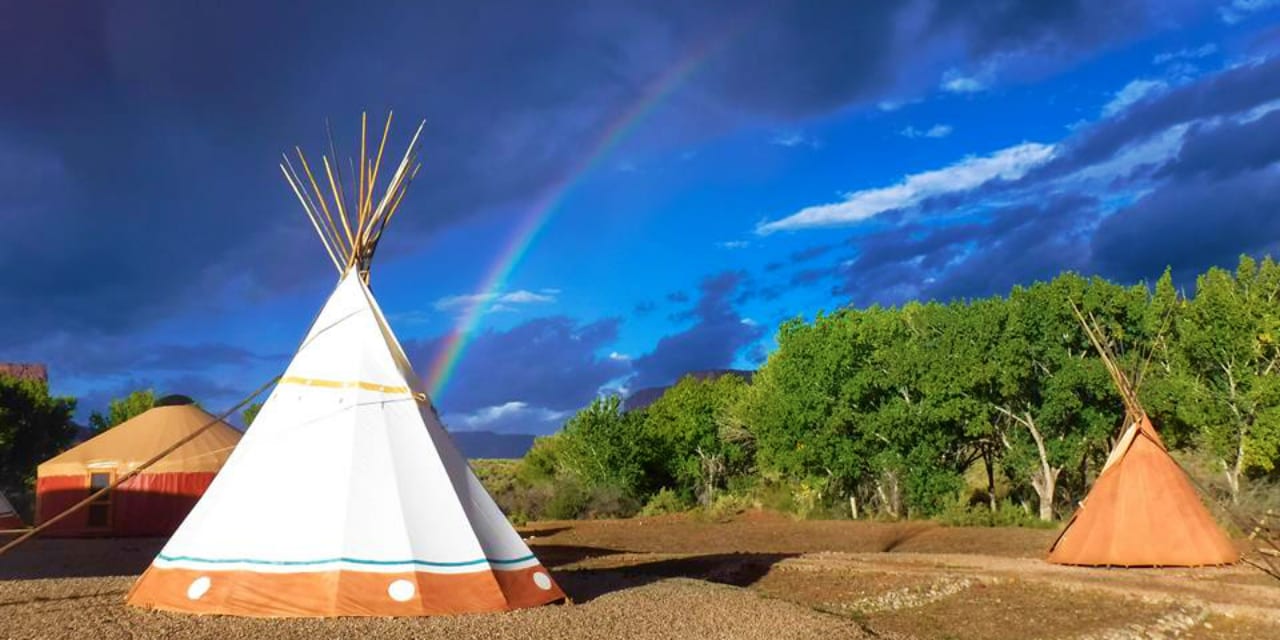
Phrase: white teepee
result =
(346, 496)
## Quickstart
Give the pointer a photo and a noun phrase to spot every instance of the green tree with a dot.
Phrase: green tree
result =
(1057, 405)
(1227, 338)
(121, 410)
(798, 424)
(34, 426)
(250, 412)
(685, 427)
(604, 446)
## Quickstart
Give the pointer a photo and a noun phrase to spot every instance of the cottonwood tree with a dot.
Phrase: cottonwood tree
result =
(801, 425)
(604, 446)
(684, 426)
(121, 410)
(1227, 337)
(34, 426)
(1055, 400)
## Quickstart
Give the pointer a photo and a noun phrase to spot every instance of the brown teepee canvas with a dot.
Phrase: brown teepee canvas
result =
(1143, 509)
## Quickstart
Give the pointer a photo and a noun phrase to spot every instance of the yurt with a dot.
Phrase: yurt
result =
(346, 497)
(1142, 511)
(154, 502)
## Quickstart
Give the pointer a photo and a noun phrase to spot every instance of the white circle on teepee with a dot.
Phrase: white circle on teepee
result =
(198, 588)
(401, 590)
(542, 580)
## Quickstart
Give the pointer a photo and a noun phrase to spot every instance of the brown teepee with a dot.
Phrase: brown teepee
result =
(1143, 509)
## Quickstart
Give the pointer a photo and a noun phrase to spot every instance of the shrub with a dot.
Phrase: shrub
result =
(727, 505)
(664, 502)
(1007, 514)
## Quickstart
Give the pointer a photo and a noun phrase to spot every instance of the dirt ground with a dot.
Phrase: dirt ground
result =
(757, 576)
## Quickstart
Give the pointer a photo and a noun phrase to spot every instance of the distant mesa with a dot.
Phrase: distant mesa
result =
(649, 395)
(25, 370)
(487, 444)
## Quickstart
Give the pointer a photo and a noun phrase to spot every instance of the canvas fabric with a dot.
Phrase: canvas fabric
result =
(346, 497)
(1142, 511)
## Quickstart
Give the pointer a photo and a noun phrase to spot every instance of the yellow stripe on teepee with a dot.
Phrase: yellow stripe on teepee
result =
(343, 384)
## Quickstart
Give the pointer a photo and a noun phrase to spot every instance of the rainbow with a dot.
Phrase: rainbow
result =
(526, 231)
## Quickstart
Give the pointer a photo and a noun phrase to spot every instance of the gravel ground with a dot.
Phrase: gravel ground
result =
(667, 609)
(759, 576)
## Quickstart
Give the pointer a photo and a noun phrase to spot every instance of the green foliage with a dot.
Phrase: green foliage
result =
(603, 447)
(1227, 354)
(1007, 514)
(728, 505)
(122, 410)
(250, 412)
(683, 428)
(34, 426)
(664, 502)
(955, 411)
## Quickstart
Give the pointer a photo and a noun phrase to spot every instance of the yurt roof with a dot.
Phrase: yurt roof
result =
(131, 443)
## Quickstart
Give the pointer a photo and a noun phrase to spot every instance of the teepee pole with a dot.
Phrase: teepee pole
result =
(311, 216)
(1127, 393)
(342, 214)
(330, 233)
(346, 250)
(136, 470)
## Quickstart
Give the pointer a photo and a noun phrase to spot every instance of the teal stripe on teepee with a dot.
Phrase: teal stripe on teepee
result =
(292, 563)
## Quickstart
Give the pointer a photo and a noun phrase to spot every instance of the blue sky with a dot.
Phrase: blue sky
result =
(809, 156)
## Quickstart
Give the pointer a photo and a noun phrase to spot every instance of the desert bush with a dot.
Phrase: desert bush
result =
(1007, 514)
(727, 505)
(664, 502)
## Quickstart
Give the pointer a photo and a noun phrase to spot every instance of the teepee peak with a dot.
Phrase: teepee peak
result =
(351, 215)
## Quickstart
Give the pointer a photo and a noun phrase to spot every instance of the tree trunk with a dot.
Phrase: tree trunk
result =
(1045, 482)
(989, 462)
(890, 496)
(1045, 479)
(853, 505)
(1232, 472)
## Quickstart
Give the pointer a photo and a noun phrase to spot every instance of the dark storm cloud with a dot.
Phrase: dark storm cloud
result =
(215, 395)
(162, 121)
(1215, 152)
(549, 363)
(1192, 225)
(1225, 93)
(1012, 245)
(1201, 198)
(105, 355)
(802, 58)
(713, 342)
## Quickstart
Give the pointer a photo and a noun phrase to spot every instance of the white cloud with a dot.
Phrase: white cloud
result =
(1009, 164)
(794, 139)
(500, 301)
(894, 105)
(936, 131)
(1186, 54)
(505, 413)
(1133, 92)
(1238, 10)
(955, 82)
(733, 244)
